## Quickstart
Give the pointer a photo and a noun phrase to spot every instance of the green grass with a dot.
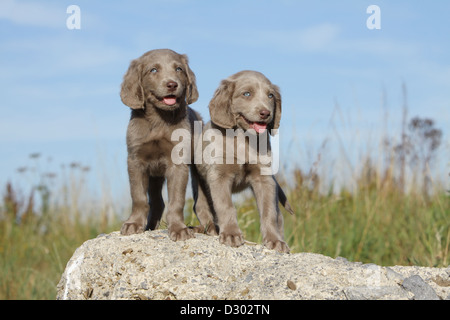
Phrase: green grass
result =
(34, 252)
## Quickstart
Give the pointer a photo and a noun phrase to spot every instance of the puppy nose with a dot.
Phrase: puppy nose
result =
(172, 85)
(264, 114)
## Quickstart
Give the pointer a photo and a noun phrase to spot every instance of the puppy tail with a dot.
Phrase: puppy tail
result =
(283, 199)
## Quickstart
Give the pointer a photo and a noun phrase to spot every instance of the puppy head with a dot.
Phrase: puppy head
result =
(161, 78)
(247, 100)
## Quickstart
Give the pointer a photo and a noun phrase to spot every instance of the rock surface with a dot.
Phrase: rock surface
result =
(151, 266)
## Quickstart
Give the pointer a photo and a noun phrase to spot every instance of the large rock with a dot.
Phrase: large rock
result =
(151, 266)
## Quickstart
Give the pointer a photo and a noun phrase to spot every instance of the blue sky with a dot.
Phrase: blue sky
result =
(60, 87)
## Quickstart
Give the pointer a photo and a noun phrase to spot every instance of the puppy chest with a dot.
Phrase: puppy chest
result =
(154, 151)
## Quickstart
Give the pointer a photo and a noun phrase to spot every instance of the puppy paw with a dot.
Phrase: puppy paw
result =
(132, 228)
(209, 229)
(180, 234)
(277, 245)
(234, 239)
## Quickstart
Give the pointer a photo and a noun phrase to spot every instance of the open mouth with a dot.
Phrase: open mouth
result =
(259, 127)
(169, 100)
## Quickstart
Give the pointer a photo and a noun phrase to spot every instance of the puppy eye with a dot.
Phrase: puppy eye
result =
(154, 70)
(270, 95)
(246, 94)
(178, 69)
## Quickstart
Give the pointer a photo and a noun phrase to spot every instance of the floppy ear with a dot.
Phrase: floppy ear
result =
(275, 124)
(191, 90)
(132, 93)
(220, 105)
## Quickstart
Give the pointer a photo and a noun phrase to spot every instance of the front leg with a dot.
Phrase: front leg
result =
(177, 179)
(229, 232)
(138, 175)
(265, 189)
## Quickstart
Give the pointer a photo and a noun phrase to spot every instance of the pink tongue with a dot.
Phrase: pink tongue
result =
(170, 101)
(259, 127)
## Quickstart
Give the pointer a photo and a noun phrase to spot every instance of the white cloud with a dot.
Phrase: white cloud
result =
(309, 39)
(59, 55)
(318, 37)
(32, 13)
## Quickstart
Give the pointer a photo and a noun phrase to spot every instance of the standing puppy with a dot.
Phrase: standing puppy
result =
(243, 109)
(158, 87)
